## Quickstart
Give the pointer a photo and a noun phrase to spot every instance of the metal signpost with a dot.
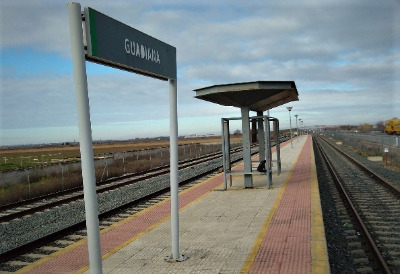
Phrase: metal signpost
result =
(101, 39)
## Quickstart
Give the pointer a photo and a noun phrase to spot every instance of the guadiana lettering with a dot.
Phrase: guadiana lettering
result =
(142, 51)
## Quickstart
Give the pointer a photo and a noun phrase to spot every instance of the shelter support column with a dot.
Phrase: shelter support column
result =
(260, 136)
(226, 151)
(248, 179)
(268, 154)
(253, 131)
(277, 145)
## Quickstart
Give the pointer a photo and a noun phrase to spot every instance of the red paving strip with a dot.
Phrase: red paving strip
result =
(76, 258)
(286, 246)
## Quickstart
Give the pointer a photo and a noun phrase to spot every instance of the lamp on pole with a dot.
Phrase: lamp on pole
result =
(297, 129)
(301, 127)
(290, 124)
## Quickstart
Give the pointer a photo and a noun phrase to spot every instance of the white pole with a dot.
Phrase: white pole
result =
(85, 138)
(174, 180)
(290, 121)
(224, 145)
(261, 139)
(248, 179)
(297, 129)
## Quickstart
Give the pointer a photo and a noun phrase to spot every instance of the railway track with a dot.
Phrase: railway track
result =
(37, 204)
(373, 204)
(25, 250)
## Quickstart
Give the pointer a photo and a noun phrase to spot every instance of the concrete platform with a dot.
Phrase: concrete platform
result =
(241, 230)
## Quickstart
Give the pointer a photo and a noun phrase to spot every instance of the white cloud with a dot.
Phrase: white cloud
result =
(343, 56)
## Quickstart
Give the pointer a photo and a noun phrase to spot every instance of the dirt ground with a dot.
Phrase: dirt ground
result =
(106, 147)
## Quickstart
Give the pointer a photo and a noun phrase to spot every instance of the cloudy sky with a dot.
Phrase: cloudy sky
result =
(344, 58)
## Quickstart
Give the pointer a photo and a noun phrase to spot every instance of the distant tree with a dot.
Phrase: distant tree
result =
(237, 132)
(365, 128)
(345, 127)
(380, 126)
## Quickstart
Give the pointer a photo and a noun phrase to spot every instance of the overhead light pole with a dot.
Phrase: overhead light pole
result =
(301, 127)
(290, 124)
(297, 129)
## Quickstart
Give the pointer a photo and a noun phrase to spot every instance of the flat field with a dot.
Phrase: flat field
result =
(23, 157)
(40, 169)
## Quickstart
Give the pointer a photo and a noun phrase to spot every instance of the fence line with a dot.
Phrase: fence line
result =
(62, 174)
(383, 145)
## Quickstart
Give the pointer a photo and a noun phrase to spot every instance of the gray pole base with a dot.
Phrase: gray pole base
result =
(170, 259)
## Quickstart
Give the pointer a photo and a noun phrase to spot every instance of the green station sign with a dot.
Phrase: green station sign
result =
(112, 43)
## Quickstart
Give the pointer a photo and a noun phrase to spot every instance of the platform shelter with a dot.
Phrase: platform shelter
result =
(256, 96)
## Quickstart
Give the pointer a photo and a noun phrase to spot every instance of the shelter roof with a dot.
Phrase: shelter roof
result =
(257, 96)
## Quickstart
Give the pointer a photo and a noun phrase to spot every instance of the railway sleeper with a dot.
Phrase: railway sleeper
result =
(355, 245)
(347, 223)
(352, 238)
(106, 223)
(64, 242)
(389, 223)
(34, 256)
(124, 215)
(395, 254)
(391, 246)
(18, 263)
(116, 219)
(389, 206)
(361, 261)
(389, 211)
(365, 270)
(75, 237)
(390, 233)
(132, 211)
(358, 253)
(382, 227)
(50, 249)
